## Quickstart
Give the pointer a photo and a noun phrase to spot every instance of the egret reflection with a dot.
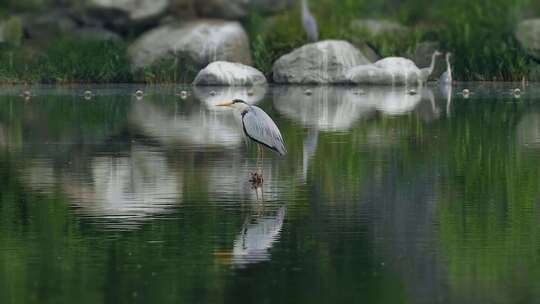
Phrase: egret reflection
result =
(446, 92)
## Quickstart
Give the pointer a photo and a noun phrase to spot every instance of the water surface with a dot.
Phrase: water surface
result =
(386, 196)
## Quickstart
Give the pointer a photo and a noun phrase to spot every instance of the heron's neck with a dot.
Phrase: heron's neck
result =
(432, 65)
(305, 8)
(448, 68)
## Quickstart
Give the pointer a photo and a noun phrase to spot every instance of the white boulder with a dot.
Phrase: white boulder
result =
(202, 41)
(223, 73)
(318, 63)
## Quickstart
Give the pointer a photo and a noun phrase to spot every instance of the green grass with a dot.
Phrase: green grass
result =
(66, 60)
(178, 70)
(479, 33)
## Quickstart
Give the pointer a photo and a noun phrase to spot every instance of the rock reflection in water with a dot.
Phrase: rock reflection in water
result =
(116, 191)
(339, 108)
(196, 128)
(211, 96)
(446, 92)
(202, 124)
(129, 188)
(393, 100)
(326, 109)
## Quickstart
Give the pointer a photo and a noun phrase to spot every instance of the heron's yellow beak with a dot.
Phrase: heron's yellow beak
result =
(225, 104)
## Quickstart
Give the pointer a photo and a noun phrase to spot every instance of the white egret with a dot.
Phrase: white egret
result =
(446, 77)
(426, 72)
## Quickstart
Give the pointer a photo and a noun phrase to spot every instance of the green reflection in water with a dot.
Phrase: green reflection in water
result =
(111, 200)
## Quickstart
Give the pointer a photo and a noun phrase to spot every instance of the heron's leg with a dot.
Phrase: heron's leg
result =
(256, 194)
(262, 161)
(258, 156)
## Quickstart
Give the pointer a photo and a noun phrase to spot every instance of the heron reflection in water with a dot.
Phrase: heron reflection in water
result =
(256, 238)
(259, 128)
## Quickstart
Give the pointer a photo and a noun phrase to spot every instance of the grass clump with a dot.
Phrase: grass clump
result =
(273, 37)
(180, 69)
(66, 60)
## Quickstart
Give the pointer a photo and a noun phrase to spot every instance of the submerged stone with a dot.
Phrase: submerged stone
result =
(318, 63)
(229, 74)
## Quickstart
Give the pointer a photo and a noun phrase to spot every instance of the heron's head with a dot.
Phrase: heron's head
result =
(448, 55)
(437, 53)
(237, 104)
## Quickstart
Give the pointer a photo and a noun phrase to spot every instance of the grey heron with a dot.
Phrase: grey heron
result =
(259, 128)
(426, 72)
(446, 77)
(309, 23)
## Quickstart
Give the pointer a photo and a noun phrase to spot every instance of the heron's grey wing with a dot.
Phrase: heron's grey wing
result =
(261, 128)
